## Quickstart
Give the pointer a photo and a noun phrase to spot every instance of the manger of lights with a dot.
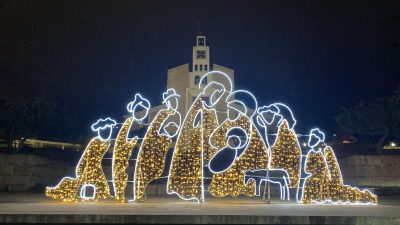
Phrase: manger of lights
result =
(250, 140)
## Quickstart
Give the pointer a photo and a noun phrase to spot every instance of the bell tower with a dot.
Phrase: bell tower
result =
(201, 56)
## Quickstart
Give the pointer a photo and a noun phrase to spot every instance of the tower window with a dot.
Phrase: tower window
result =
(201, 67)
(205, 67)
(204, 81)
(196, 80)
(195, 67)
(201, 54)
(200, 41)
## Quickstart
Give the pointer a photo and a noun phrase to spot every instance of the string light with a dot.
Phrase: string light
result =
(120, 161)
(232, 181)
(286, 154)
(150, 162)
(186, 172)
(89, 172)
(199, 140)
(324, 184)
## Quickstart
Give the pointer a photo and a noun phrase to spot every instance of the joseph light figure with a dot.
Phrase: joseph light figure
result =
(192, 148)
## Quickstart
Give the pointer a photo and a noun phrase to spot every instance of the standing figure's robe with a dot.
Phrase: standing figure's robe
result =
(191, 150)
(88, 172)
(286, 154)
(122, 152)
(150, 162)
(316, 185)
(232, 181)
(209, 124)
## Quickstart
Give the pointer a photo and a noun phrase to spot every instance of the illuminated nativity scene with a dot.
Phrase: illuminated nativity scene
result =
(225, 132)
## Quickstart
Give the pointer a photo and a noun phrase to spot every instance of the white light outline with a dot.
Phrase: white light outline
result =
(230, 105)
(82, 193)
(320, 139)
(284, 187)
(166, 98)
(329, 201)
(131, 107)
(172, 160)
(275, 110)
(111, 123)
(166, 101)
(138, 101)
(298, 144)
(87, 148)
(227, 145)
(317, 133)
(219, 73)
(197, 119)
(180, 130)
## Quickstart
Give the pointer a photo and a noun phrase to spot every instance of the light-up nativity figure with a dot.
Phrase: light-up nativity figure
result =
(186, 171)
(89, 183)
(157, 141)
(324, 183)
(224, 132)
(247, 154)
(124, 145)
(285, 153)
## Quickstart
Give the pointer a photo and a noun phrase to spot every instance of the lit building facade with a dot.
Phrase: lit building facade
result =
(185, 78)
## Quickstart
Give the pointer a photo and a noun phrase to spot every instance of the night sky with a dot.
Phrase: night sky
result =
(93, 56)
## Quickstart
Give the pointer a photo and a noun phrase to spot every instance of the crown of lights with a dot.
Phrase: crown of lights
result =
(202, 143)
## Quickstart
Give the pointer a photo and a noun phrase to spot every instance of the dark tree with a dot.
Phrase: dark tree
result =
(379, 118)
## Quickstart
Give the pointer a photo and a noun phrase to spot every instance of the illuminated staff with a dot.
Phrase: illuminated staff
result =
(192, 147)
(89, 173)
(123, 147)
(285, 153)
(248, 155)
(157, 141)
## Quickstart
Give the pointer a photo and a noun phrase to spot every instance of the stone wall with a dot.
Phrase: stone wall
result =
(371, 170)
(23, 172)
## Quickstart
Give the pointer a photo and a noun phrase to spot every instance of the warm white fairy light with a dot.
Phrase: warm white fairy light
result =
(199, 141)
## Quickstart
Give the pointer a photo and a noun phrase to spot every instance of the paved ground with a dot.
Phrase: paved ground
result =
(37, 204)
